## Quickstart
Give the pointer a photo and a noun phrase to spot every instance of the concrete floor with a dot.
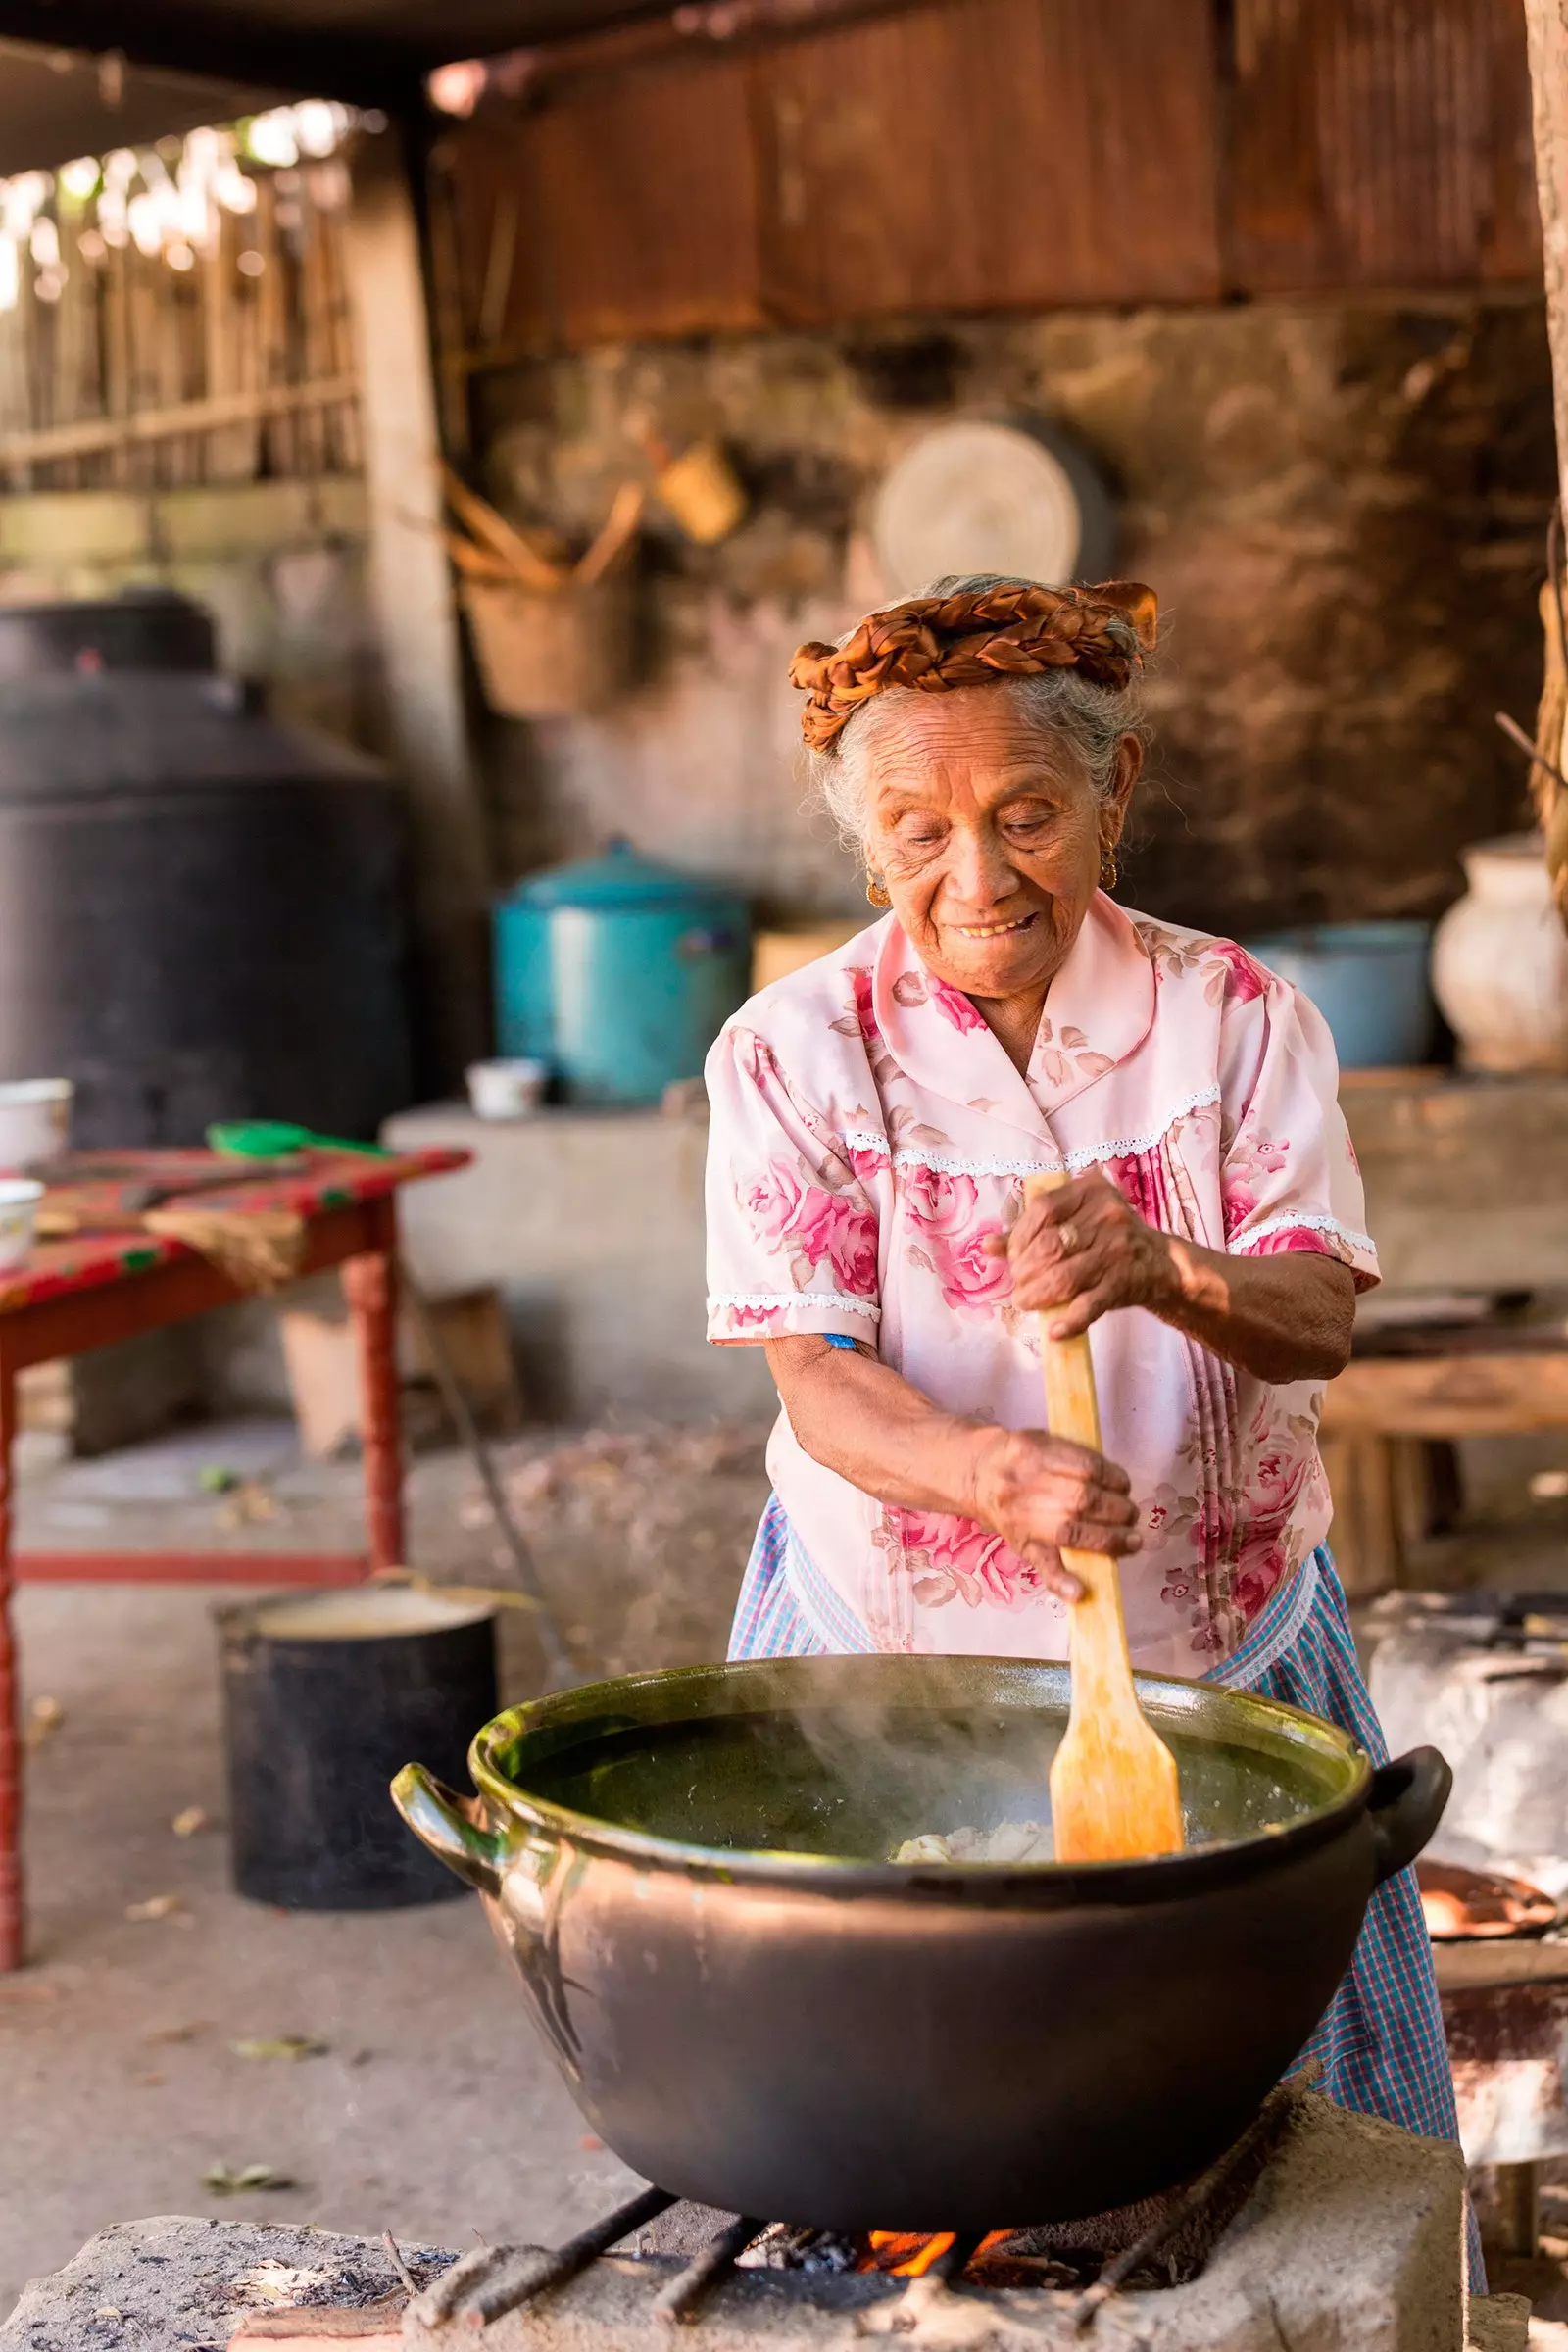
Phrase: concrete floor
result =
(431, 2111)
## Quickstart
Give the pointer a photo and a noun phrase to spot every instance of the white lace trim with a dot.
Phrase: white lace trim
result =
(1297, 1221)
(954, 1164)
(778, 1298)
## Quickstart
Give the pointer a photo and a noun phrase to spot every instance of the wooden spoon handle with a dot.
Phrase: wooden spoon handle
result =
(1072, 1410)
(1113, 1787)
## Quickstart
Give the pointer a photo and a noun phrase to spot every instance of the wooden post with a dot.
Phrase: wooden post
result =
(369, 1285)
(416, 618)
(11, 1912)
(1546, 24)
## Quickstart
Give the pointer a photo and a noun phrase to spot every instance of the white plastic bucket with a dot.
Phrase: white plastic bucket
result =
(35, 1120)
(506, 1090)
(18, 1210)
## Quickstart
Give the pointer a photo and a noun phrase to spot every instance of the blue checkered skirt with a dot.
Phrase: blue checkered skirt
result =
(1381, 2043)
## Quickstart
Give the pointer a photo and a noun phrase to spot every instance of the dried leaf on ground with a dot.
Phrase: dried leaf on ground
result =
(44, 1718)
(188, 1821)
(269, 2282)
(223, 2180)
(657, 1522)
(156, 1906)
(281, 2045)
(248, 1504)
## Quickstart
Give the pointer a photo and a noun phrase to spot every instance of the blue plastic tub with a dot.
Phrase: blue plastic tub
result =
(1368, 980)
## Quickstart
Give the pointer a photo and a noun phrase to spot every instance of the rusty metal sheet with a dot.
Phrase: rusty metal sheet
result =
(1379, 143)
(633, 211)
(1508, 2044)
(990, 154)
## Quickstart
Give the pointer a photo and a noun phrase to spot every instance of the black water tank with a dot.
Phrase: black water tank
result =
(201, 911)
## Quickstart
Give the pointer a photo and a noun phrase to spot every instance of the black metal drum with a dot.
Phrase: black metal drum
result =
(201, 911)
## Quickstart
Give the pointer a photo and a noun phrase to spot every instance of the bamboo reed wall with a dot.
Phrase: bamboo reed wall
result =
(184, 320)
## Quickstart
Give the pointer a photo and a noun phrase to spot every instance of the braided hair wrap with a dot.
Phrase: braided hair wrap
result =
(976, 637)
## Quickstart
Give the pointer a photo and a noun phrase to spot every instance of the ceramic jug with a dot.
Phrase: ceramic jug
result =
(1500, 961)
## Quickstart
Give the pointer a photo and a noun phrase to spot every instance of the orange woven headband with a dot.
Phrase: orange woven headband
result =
(975, 638)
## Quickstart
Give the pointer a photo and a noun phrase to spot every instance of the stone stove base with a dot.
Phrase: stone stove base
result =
(1350, 2241)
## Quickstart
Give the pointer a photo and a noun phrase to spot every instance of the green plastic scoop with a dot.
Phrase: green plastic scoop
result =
(273, 1139)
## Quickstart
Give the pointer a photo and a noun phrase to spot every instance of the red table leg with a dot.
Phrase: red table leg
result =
(369, 1285)
(10, 1733)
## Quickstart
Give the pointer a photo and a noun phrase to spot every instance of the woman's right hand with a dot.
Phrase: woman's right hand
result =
(1045, 1495)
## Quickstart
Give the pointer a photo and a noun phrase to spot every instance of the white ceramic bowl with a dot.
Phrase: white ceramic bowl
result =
(35, 1120)
(19, 1211)
(506, 1090)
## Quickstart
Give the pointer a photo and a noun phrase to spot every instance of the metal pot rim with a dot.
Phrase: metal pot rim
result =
(1037, 1885)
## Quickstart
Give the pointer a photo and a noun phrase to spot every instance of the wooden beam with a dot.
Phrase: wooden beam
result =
(1546, 26)
(21, 450)
(411, 593)
(1447, 1397)
(227, 44)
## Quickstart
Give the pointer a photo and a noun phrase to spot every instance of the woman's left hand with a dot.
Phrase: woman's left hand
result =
(1085, 1250)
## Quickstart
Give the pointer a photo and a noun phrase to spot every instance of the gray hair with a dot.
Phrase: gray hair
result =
(1060, 703)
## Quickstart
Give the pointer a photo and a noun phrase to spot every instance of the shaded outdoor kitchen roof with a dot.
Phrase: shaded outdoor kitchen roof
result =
(80, 76)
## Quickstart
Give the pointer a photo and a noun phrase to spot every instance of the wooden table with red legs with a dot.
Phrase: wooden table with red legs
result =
(101, 1286)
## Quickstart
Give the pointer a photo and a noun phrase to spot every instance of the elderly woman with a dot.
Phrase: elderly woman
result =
(874, 1118)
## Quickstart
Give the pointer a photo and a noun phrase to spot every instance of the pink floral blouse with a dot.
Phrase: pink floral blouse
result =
(868, 1132)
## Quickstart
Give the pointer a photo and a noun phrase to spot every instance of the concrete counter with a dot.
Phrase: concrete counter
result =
(591, 1222)
(1466, 1178)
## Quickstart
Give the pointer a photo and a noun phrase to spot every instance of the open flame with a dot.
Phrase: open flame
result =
(908, 2254)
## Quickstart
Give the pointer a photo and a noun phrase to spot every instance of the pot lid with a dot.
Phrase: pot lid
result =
(619, 880)
(977, 494)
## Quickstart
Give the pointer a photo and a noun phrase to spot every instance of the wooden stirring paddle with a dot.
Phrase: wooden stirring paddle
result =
(1114, 1793)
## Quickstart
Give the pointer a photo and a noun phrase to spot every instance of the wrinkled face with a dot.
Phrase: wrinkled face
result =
(988, 833)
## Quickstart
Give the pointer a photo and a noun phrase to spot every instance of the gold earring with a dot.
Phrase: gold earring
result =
(876, 890)
(1107, 869)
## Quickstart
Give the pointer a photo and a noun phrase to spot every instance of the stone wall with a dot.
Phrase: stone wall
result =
(280, 566)
(1342, 504)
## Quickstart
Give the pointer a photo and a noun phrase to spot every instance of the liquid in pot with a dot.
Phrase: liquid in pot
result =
(856, 1784)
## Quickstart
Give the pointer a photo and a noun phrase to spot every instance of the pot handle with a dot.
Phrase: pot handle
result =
(1404, 1807)
(435, 1814)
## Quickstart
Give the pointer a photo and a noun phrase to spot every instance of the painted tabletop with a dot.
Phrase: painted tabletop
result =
(90, 1259)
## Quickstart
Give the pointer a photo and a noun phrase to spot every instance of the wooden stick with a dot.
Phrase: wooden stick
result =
(167, 424)
(615, 536)
(526, 561)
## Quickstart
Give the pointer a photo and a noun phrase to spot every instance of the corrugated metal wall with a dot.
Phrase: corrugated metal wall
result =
(1008, 154)
(1379, 143)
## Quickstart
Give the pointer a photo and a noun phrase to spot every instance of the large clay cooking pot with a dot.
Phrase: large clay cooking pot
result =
(754, 2008)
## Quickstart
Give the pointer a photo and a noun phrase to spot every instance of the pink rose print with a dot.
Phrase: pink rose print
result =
(1295, 1238)
(955, 1008)
(752, 1314)
(865, 1010)
(1246, 977)
(1137, 1178)
(955, 1559)
(830, 1227)
(942, 1204)
(1239, 1200)
(773, 1201)
(814, 1225)
(867, 1164)
(968, 1276)
(1256, 1581)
